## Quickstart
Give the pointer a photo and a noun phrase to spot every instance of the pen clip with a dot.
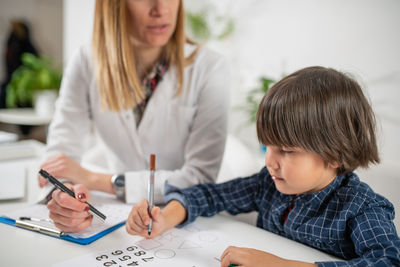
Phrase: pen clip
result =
(38, 228)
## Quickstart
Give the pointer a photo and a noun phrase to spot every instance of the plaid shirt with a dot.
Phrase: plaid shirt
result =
(346, 219)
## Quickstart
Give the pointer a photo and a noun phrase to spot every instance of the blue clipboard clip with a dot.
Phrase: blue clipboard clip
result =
(57, 233)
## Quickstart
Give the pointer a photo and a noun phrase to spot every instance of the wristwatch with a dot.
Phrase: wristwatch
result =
(118, 183)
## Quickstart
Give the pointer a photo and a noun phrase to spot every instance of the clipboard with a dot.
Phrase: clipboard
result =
(117, 212)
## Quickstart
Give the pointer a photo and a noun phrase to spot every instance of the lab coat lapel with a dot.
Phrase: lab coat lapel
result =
(129, 121)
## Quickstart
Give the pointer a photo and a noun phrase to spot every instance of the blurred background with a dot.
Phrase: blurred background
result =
(36, 27)
(263, 40)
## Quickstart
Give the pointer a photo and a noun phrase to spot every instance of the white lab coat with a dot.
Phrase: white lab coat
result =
(187, 133)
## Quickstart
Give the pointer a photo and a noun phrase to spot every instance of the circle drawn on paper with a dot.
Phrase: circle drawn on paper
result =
(149, 244)
(206, 237)
(164, 253)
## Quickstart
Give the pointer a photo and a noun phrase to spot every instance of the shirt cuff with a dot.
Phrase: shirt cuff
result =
(174, 193)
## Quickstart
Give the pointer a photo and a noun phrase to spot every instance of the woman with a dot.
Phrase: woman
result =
(141, 60)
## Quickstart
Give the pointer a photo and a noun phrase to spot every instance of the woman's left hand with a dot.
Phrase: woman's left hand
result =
(62, 166)
(248, 257)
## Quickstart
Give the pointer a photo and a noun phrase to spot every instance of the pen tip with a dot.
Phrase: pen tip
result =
(149, 233)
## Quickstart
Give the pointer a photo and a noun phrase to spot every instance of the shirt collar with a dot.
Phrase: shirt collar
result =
(321, 195)
(158, 70)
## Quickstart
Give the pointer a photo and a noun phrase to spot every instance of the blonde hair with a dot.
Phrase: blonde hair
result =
(114, 59)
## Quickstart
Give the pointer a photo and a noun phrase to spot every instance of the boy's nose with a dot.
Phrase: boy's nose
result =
(270, 161)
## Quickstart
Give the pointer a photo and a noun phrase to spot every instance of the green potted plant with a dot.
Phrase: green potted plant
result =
(206, 25)
(253, 100)
(254, 97)
(35, 75)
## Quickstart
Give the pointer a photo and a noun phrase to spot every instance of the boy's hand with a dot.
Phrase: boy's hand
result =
(247, 257)
(139, 220)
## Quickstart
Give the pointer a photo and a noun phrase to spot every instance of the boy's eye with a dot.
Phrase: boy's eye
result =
(285, 151)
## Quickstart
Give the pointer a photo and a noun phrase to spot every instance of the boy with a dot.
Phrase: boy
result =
(318, 128)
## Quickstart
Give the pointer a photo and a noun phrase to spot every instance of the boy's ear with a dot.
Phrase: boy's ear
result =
(333, 165)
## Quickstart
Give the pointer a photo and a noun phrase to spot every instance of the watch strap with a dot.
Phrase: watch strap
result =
(118, 183)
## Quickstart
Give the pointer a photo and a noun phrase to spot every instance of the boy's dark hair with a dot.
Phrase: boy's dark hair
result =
(323, 111)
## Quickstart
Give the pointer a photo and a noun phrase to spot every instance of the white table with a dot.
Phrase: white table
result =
(19, 247)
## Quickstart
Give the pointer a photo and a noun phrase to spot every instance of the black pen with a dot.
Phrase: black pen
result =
(65, 189)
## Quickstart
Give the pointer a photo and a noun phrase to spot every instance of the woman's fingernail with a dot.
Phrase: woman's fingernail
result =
(81, 196)
(87, 208)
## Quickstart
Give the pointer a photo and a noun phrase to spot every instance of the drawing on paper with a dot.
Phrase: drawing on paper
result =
(207, 237)
(169, 236)
(149, 244)
(164, 253)
(197, 247)
(188, 245)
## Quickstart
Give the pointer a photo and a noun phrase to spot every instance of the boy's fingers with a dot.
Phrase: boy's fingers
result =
(155, 212)
(229, 256)
(129, 228)
(226, 252)
(143, 210)
(132, 226)
(141, 217)
(135, 217)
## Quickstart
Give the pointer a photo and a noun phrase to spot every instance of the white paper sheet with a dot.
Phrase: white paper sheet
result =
(191, 246)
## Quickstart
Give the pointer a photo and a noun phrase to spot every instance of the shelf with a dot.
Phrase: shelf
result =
(23, 116)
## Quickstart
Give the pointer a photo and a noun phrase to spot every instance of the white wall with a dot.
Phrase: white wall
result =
(357, 36)
(78, 24)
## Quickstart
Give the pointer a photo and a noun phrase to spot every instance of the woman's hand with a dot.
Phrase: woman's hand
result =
(70, 214)
(248, 257)
(62, 166)
(139, 220)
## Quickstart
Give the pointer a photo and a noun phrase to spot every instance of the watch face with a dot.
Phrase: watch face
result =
(119, 181)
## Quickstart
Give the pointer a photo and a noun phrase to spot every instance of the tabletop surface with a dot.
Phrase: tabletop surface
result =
(21, 247)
